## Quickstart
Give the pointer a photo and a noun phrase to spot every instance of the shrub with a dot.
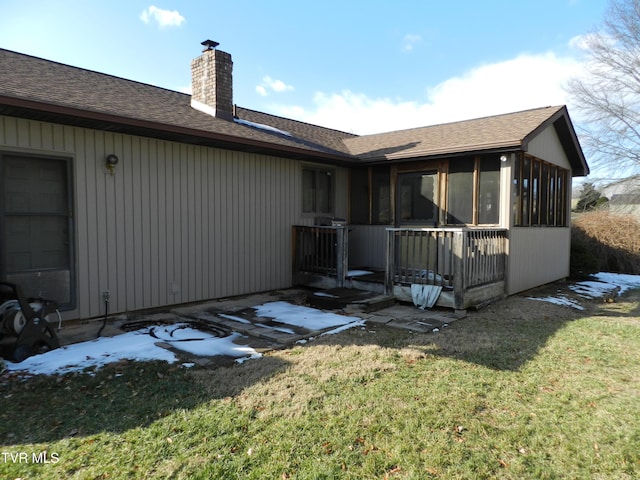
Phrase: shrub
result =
(605, 241)
(583, 260)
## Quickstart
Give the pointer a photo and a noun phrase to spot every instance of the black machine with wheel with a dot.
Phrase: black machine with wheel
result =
(24, 324)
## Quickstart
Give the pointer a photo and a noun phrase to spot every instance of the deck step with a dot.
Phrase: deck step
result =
(349, 298)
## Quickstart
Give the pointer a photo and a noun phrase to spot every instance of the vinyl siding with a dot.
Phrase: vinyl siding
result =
(367, 245)
(547, 146)
(176, 223)
(539, 255)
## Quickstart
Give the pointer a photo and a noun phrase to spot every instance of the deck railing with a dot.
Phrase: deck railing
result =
(458, 259)
(454, 258)
(420, 255)
(321, 250)
(485, 254)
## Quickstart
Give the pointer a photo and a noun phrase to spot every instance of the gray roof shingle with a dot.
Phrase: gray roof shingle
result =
(36, 88)
(495, 132)
(73, 89)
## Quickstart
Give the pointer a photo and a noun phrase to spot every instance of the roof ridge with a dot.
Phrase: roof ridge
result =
(475, 119)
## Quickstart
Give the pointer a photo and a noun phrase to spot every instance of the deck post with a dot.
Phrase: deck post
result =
(390, 262)
(342, 260)
(459, 268)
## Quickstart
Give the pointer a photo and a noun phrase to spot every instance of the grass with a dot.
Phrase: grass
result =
(498, 395)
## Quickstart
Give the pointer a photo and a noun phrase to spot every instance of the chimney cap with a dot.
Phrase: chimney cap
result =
(209, 45)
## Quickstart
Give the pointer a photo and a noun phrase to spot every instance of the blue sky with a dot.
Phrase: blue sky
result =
(355, 66)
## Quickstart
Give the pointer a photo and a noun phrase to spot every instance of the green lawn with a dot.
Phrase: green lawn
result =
(553, 393)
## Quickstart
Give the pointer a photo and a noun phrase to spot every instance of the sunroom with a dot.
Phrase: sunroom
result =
(441, 229)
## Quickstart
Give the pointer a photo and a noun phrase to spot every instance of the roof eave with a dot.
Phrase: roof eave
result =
(568, 138)
(506, 148)
(72, 116)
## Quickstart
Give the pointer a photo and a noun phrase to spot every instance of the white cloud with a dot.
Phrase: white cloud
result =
(580, 42)
(269, 84)
(527, 81)
(164, 18)
(409, 41)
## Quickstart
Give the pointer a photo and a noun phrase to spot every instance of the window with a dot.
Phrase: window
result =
(535, 195)
(545, 207)
(460, 191)
(552, 196)
(417, 193)
(381, 196)
(561, 193)
(489, 191)
(473, 192)
(525, 186)
(471, 197)
(317, 191)
(371, 196)
(359, 193)
(540, 193)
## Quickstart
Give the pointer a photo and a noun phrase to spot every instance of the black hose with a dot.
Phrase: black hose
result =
(104, 320)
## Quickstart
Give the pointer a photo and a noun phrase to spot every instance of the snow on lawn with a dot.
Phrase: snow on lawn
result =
(605, 283)
(139, 345)
(136, 345)
(145, 344)
(602, 284)
(560, 300)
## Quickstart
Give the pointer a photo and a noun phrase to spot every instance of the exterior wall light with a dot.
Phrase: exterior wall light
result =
(503, 158)
(111, 162)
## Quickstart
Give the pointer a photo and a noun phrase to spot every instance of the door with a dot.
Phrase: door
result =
(417, 199)
(36, 219)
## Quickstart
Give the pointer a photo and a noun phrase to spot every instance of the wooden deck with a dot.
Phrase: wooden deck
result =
(468, 263)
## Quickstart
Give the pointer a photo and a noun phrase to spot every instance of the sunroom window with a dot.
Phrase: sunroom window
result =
(460, 191)
(473, 191)
(417, 193)
(489, 191)
(540, 193)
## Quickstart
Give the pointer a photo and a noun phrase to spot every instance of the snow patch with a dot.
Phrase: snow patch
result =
(305, 317)
(138, 345)
(561, 300)
(358, 273)
(234, 318)
(357, 323)
(148, 344)
(261, 126)
(604, 284)
(324, 294)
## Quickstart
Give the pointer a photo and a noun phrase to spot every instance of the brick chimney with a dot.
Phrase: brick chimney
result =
(212, 82)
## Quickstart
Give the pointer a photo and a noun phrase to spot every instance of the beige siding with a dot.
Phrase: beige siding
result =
(537, 256)
(547, 146)
(176, 223)
(367, 245)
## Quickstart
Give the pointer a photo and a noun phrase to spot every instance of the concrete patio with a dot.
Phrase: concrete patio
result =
(238, 314)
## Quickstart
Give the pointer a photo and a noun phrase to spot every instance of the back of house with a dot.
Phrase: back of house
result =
(114, 189)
